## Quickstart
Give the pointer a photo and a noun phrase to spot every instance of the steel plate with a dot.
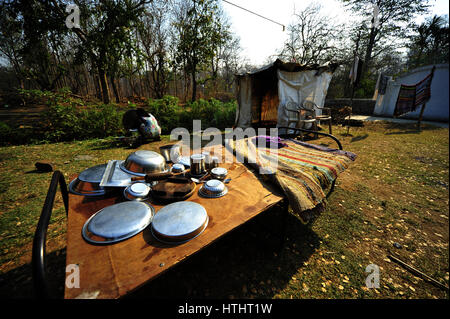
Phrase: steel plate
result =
(117, 222)
(179, 222)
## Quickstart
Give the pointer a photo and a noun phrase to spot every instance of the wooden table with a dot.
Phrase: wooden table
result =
(112, 271)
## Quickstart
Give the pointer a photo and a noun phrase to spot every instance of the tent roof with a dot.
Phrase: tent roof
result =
(293, 67)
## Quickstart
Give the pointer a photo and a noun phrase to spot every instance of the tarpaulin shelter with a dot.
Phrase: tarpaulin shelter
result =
(263, 94)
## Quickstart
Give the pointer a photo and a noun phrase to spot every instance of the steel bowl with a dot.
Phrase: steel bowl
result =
(213, 189)
(170, 152)
(144, 162)
(137, 191)
(219, 173)
(88, 182)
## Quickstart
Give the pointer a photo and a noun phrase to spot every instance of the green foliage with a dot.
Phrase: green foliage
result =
(66, 122)
(429, 44)
(68, 118)
(5, 132)
(212, 113)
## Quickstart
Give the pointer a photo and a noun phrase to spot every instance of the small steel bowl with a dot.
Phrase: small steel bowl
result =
(213, 189)
(219, 173)
(177, 168)
(137, 191)
(144, 162)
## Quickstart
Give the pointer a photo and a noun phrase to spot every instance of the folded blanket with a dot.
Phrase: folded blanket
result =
(304, 172)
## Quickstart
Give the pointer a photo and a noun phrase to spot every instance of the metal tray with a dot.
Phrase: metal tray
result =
(114, 176)
(88, 182)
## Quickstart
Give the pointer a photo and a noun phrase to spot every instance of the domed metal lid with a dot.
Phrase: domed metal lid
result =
(179, 222)
(117, 222)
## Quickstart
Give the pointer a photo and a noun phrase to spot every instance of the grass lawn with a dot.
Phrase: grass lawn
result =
(397, 191)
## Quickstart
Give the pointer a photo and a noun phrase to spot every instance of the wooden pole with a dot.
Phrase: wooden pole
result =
(353, 82)
(420, 115)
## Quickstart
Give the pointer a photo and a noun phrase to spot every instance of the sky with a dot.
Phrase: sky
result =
(260, 38)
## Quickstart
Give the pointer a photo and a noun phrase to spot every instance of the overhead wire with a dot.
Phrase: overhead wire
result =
(254, 13)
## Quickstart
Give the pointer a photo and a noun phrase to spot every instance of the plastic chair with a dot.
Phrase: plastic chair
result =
(312, 107)
(300, 116)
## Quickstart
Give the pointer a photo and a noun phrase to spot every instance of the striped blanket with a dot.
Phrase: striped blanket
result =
(412, 96)
(304, 172)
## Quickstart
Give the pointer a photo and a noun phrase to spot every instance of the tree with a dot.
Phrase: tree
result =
(199, 33)
(28, 31)
(153, 34)
(104, 33)
(393, 18)
(313, 38)
(429, 44)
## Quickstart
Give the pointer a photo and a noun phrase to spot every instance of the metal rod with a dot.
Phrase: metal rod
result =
(417, 272)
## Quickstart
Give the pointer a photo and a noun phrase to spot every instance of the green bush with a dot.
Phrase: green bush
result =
(66, 122)
(166, 111)
(68, 118)
(212, 113)
(5, 133)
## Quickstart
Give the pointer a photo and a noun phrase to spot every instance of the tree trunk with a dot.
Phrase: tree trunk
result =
(98, 90)
(194, 86)
(103, 85)
(368, 55)
(116, 93)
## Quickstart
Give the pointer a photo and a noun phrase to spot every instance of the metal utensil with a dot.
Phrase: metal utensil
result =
(138, 191)
(114, 176)
(198, 164)
(179, 222)
(219, 173)
(170, 152)
(88, 182)
(213, 189)
(117, 222)
(144, 162)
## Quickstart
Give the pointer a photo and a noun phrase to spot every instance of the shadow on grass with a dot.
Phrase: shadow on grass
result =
(359, 138)
(408, 128)
(18, 283)
(246, 263)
